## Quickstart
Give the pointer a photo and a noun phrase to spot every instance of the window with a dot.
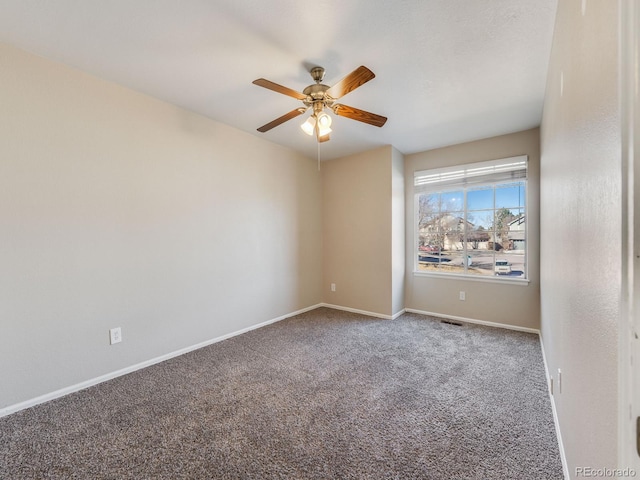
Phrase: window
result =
(471, 219)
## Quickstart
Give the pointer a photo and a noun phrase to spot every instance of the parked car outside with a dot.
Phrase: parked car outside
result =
(429, 248)
(502, 267)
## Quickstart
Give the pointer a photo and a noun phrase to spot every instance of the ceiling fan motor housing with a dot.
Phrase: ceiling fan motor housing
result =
(316, 93)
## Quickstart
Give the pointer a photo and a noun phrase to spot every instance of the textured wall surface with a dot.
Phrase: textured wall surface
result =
(356, 223)
(118, 210)
(580, 224)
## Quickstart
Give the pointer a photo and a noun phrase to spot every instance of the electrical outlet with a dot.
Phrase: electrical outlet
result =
(462, 295)
(333, 287)
(115, 335)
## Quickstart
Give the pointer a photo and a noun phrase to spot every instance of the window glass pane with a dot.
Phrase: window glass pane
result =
(480, 199)
(510, 264)
(452, 201)
(429, 225)
(428, 210)
(478, 237)
(452, 262)
(430, 243)
(510, 195)
(504, 220)
(480, 262)
(454, 241)
(430, 261)
(516, 231)
(480, 220)
(452, 225)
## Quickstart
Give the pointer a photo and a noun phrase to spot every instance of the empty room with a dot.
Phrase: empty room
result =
(277, 239)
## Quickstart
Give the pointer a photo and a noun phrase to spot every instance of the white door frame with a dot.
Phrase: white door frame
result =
(629, 346)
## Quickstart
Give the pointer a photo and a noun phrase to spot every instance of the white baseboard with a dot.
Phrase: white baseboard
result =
(147, 363)
(363, 312)
(473, 320)
(565, 466)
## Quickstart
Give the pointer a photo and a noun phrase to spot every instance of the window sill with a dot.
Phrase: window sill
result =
(522, 282)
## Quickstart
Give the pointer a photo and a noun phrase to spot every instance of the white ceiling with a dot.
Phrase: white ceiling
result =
(447, 71)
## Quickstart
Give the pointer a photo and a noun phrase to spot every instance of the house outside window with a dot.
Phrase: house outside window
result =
(471, 220)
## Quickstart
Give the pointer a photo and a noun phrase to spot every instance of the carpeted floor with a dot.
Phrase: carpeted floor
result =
(325, 394)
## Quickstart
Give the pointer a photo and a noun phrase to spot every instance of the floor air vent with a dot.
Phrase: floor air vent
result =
(449, 322)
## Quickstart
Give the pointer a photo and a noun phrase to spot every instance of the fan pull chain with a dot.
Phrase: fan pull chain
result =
(318, 143)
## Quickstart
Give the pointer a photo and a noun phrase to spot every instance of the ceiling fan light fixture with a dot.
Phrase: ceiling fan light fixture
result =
(324, 120)
(309, 126)
(322, 131)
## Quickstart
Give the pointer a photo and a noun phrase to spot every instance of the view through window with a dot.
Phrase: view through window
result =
(471, 219)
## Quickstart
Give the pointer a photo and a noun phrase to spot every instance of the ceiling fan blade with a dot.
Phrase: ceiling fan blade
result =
(359, 115)
(359, 76)
(282, 119)
(261, 82)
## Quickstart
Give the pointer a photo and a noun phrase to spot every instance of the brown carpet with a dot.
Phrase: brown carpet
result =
(325, 394)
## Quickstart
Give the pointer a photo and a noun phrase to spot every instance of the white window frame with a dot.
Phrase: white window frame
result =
(469, 177)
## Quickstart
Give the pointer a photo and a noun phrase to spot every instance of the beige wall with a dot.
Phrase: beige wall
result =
(510, 304)
(580, 218)
(120, 210)
(358, 231)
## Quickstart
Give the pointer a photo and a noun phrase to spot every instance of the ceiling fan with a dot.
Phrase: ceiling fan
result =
(318, 97)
